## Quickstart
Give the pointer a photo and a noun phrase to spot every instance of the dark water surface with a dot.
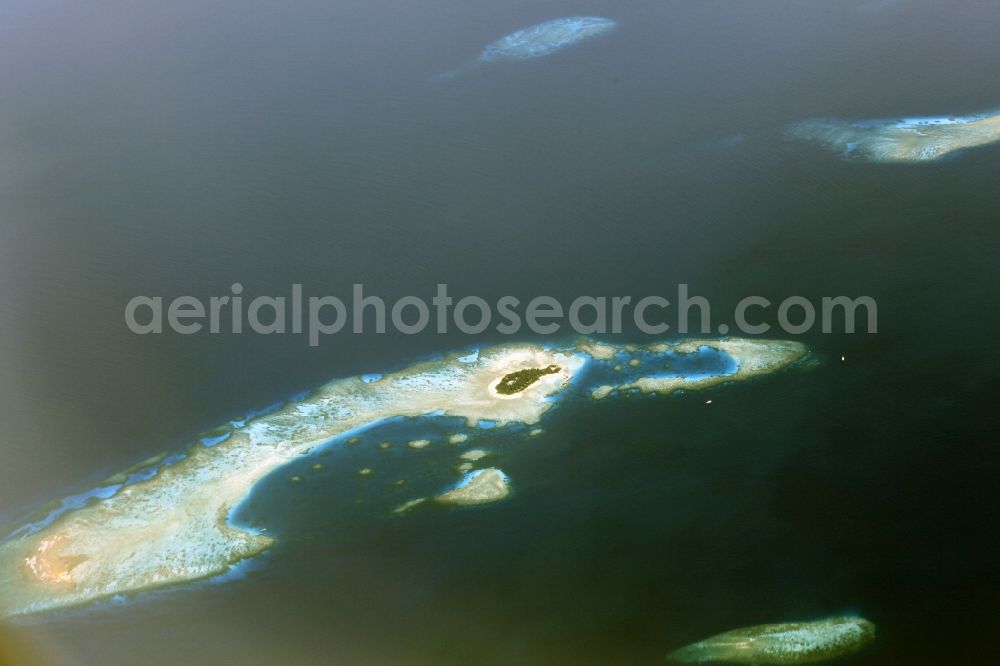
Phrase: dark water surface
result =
(175, 148)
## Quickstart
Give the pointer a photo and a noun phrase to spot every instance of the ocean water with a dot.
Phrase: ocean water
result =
(176, 148)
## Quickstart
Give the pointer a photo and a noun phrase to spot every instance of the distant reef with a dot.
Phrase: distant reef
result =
(778, 644)
(900, 140)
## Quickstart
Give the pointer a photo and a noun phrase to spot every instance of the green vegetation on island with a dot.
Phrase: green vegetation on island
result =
(516, 382)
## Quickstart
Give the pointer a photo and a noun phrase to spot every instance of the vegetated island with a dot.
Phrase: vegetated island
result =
(169, 519)
(519, 380)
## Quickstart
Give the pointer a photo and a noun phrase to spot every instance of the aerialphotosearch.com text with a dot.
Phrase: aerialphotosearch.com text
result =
(317, 317)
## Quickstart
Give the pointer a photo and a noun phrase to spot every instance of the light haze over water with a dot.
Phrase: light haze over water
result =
(175, 148)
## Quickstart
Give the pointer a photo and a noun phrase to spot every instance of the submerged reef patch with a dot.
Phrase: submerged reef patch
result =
(480, 487)
(792, 643)
(175, 525)
(472, 455)
(545, 38)
(536, 41)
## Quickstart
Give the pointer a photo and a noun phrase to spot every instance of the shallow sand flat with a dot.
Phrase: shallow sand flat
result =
(479, 487)
(473, 455)
(175, 526)
(753, 358)
(791, 643)
(597, 350)
(602, 392)
(908, 140)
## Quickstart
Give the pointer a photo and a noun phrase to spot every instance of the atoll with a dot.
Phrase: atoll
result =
(169, 519)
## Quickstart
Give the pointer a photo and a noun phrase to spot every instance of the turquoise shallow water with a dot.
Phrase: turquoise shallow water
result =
(275, 145)
(622, 368)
